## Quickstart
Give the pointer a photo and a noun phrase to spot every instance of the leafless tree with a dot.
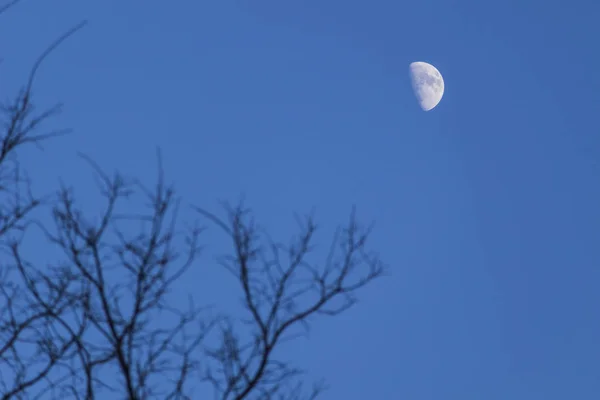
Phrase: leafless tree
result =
(99, 321)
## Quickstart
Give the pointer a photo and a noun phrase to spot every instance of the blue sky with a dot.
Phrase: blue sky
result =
(487, 208)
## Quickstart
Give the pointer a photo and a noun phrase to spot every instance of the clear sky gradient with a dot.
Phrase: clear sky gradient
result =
(487, 208)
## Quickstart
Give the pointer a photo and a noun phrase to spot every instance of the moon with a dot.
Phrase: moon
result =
(427, 83)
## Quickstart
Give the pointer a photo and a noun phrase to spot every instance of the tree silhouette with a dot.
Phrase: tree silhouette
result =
(99, 322)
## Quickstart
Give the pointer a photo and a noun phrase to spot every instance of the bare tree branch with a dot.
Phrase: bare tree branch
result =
(8, 5)
(53, 46)
(281, 290)
(19, 126)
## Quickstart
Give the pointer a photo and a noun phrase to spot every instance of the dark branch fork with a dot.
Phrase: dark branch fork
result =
(279, 296)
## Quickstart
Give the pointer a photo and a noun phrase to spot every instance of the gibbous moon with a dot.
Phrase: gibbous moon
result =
(427, 83)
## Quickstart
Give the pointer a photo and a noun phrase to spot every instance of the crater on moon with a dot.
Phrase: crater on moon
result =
(427, 83)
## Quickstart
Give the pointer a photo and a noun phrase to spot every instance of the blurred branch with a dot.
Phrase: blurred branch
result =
(8, 5)
(52, 47)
